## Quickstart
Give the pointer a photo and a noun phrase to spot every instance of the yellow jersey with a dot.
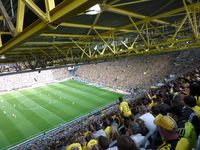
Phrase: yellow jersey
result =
(198, 100)
(107, 131)
(183, 144)
(91, 143)
(125, 110)
(196, 110)
(74, 145)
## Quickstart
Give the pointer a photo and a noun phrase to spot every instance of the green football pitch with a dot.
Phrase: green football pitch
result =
(29, 112)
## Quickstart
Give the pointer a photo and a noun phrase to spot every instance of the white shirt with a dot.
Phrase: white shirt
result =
(99, 133)
(148, 119)
(113, 148)
(137, 138)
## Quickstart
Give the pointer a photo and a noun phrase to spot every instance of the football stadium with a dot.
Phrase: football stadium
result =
(99, 75)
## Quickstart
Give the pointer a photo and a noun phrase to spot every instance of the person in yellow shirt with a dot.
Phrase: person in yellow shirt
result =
(192, 103)
(124, 108)
(183, 144)
(107, 131)
(91, 143)
(74, 146)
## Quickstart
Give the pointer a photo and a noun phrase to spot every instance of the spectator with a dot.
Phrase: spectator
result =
(191, 102)
(124, 108)
(103, 142)
(195, 91)
(74, 146)
(124, 142)
(166, 126)
(98, 131)
(189, 114)
(185, 129)
(148, 119)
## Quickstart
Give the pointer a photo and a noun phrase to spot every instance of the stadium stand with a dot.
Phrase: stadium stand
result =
(148, 49)
(138, 72)
(100, 122)
(17, 81)
(107, 129)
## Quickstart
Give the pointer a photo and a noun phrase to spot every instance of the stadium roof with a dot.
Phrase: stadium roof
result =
(59, 32)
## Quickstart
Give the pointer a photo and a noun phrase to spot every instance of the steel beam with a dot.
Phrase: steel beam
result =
(178, 29)
(60, 50)
(0, 41)
(32, 6)
(50, 4)
(20, 16)
(4, 32)
(70, 35)
(190, 19)
(112, 50)
(63, 11)
(157, 30)
(132, 14)
(160, 16)
(86, 26)
(130, 3)
(135, 26)
(7, 18)
(83, 50)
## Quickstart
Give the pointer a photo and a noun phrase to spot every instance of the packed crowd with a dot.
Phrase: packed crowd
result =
(110, 126)
(139, 71)
(167, 118)
(15, 81)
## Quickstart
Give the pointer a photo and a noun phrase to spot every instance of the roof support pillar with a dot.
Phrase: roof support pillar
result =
(0, 41)
(190, 19)
(65, 10)
(32, 6)
(50, 4)
(20, 16)
(7, 19)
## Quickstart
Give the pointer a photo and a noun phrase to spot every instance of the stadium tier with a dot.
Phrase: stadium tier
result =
(99, 74)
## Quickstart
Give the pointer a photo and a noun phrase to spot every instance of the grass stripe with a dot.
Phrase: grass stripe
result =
(56, 105)
(17, 120)
(75, 90)
(36, 117)
(4, 140)
(44, 107)
(35, 108)
(71, 96)
(91, 89)
(36, 103)
(45, 104)
(66, 103)
(88, 95)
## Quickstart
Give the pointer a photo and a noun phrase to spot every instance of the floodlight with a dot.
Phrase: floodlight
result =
(95, 48)
(96, 9)
(2, 57)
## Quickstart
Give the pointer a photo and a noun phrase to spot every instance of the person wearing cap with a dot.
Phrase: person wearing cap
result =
(124, 108)
(167, 126)
(74, 146)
